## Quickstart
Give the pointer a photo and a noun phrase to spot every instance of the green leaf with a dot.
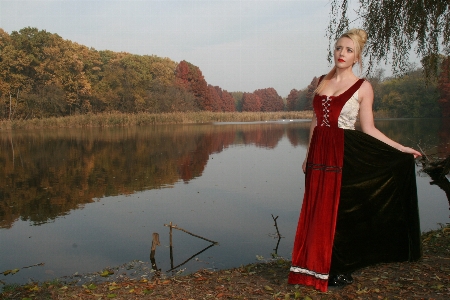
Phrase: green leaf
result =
(106, 273)
(111, 296)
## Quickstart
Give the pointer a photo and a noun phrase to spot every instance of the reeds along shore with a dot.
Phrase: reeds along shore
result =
(122, 119)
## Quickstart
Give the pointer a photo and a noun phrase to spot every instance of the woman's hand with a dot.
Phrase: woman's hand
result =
(304, 165)
(410, 151)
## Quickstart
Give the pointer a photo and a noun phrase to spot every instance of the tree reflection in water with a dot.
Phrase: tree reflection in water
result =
(46, 174)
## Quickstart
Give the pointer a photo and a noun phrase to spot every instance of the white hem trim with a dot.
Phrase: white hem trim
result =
(309, 272)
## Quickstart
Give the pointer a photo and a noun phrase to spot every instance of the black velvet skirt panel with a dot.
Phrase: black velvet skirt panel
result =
(378, 217)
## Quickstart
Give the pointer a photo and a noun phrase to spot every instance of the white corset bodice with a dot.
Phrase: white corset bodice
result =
(349, 113)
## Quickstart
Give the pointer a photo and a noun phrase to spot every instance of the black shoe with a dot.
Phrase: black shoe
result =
(340, 280)
(333, 281)
(345, 278)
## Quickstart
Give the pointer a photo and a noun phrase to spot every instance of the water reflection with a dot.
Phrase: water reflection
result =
(47, 174)
(104, 193)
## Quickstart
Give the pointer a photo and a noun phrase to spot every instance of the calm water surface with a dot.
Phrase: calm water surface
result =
(79, 201)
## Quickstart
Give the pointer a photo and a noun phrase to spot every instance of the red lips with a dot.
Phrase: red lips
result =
(341, 60)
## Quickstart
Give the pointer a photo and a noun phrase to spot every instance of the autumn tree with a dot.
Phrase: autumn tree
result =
(251, 102)
(190, 77)
(215, 98)
(227, 101)
(14, 82)
(270, 100)
(222, 100)
(291, 102)
(43, 75)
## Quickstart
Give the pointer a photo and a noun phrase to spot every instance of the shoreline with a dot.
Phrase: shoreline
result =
(428, 278)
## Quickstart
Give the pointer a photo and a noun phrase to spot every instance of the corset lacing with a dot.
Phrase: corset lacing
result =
(325, 107)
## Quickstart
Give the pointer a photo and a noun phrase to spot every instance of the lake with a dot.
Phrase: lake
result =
(74, 202)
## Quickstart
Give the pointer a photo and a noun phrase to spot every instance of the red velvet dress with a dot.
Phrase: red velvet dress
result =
(342, 215)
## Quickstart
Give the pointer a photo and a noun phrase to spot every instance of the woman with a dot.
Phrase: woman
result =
(360, 202)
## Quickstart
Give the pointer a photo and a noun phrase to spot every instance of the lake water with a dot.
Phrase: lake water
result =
(79, 201)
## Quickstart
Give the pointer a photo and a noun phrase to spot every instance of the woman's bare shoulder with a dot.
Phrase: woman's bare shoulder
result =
(366, 85)
(366, 89)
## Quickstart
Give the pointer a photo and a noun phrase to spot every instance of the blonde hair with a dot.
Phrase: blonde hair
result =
(359, 38)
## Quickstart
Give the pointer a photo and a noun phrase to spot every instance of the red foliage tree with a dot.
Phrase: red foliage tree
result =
(444, 87)
(227, 101)
(191, 78)
(216, 101)
(270, 100)
(291, 102)
(251, 102)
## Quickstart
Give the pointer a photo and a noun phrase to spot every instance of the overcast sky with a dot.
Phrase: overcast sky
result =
(239, 45)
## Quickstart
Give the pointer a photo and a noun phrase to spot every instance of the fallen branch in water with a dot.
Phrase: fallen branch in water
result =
(276, 225)
(184, 230)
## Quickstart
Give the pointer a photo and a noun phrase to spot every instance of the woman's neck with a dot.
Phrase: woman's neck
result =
(344, 74)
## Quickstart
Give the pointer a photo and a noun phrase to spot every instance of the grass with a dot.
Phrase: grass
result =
(123, 119)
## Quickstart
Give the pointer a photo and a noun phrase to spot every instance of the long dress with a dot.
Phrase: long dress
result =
(360, 203)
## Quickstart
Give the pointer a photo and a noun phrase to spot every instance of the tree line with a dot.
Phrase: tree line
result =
(42, 75)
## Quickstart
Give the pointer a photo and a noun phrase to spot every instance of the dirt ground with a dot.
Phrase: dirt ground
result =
(428, 278)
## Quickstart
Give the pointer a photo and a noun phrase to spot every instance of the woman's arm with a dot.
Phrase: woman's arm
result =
(365, 95)
(311, 129)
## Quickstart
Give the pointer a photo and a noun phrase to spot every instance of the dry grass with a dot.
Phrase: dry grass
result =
(122, 119)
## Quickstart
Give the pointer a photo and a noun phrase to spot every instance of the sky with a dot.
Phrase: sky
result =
(239, 45)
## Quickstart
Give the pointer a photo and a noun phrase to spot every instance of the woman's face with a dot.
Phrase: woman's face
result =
(344, 53)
